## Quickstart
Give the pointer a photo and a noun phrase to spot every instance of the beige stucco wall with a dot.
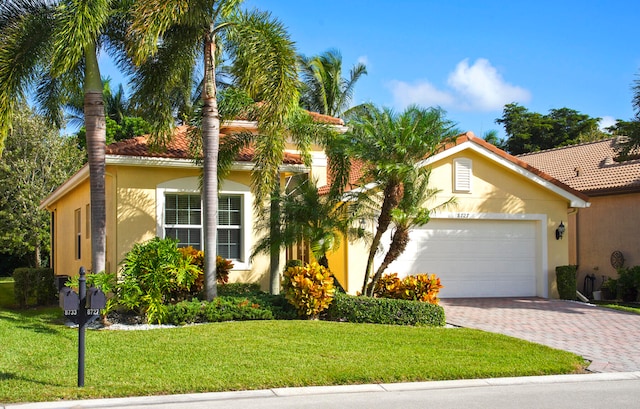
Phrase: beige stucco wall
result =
(497, 193)
(611, 223)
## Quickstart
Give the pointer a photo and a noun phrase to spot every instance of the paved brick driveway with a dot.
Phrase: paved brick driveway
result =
(609, 339)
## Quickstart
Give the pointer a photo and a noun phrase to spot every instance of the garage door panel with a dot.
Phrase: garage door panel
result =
(473, 258)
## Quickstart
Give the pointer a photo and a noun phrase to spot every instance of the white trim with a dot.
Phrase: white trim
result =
(67, 186)
(542, 275)
(574, 200)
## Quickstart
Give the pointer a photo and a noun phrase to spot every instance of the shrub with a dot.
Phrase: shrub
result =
(309, 289)
(629, 283)
(420, 287)
(196, 257)
(566, 281)
(235, 309)
(362, 309)
(155, 274)
(38, 282)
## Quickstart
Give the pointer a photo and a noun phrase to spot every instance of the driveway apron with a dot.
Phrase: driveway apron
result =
(609, 339)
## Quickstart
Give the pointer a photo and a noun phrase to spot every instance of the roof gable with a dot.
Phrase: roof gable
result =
(589, 167)
(501, 158)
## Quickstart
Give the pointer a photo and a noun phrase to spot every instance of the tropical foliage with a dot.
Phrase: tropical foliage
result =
(309, 289)
(173, 42)
(50, 48)
(629, 148)
(419, 287)
(390, 146)
(324, 90)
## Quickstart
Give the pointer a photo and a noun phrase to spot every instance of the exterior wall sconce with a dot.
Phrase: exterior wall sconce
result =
(560, 231)
(361, 227)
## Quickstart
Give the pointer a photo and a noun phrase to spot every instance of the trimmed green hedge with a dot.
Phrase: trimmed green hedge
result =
(566, 281)
(384, 311)
(38, 282)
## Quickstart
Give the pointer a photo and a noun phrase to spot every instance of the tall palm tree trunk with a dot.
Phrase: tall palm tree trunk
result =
(392, 196)
(274, 229)
(210, 147)
(398, 245)
(95, 125)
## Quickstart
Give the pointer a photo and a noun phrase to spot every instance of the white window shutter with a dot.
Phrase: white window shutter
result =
(462, 169)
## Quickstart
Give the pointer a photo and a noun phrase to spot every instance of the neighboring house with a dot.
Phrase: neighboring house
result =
(500, 238)
(612, 223)
(156, 193)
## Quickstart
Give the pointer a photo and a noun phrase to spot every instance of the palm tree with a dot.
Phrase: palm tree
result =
(51, 48)
(411, 212)
(172, 38)
(390, 145)
(324, 90)
(311, 217)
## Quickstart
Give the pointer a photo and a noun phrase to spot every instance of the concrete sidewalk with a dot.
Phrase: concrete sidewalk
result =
(293, 397)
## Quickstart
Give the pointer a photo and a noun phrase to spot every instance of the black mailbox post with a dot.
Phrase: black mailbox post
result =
(81, 308)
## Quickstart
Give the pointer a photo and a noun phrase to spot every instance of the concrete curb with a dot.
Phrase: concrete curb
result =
(322, 390)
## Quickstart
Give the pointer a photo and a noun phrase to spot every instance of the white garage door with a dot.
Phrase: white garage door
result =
(473, 258)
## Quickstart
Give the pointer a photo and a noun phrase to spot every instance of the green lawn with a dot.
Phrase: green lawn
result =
(633, 307)
(38, 359)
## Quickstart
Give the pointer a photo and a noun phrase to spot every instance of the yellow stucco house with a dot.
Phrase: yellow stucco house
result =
(498, 241)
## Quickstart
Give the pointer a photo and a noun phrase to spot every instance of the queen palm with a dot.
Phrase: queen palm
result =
(172, 39)
(324, 90)
(390, 145)
(412, 211)
(48, 49)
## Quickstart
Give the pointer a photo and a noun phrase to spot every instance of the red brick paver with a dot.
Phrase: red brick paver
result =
(609, 339)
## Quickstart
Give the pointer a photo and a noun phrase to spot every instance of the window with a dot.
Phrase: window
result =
(78, 233)
(87, 217)
(462, 172)
(183, 221)
(229, 226)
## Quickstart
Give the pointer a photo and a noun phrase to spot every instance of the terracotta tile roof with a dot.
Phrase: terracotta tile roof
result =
(589, 167)
(355, 175)
(178, 148)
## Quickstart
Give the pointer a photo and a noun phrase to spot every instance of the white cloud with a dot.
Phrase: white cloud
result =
(606, 122)
(421, 93)
(478, 87)
(481, 87)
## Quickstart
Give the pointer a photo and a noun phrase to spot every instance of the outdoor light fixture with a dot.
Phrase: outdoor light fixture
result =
(361, 227)
(560, 231)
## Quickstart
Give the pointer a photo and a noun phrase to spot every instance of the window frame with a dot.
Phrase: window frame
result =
(462, 175)
(190, 185)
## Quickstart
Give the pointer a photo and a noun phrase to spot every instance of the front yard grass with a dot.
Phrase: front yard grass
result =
(38, 357)
(633, 307)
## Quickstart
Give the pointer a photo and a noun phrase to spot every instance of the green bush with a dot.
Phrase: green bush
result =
(34, 282)
(566, 281)
(154, 273)
(220, 309)
(384, 311)
(629, 283)
(277, 304)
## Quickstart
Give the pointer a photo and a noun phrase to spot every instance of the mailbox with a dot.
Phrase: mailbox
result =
(96, 299)
(69, 300)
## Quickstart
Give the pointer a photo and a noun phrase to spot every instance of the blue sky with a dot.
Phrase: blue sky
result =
(471, 57)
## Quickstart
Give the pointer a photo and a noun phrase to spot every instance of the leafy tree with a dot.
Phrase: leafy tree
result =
(36, 160)
(390, 145)
(531, 131)
(51, 48)
(323, 89)
(630, 148)
(170, 38)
